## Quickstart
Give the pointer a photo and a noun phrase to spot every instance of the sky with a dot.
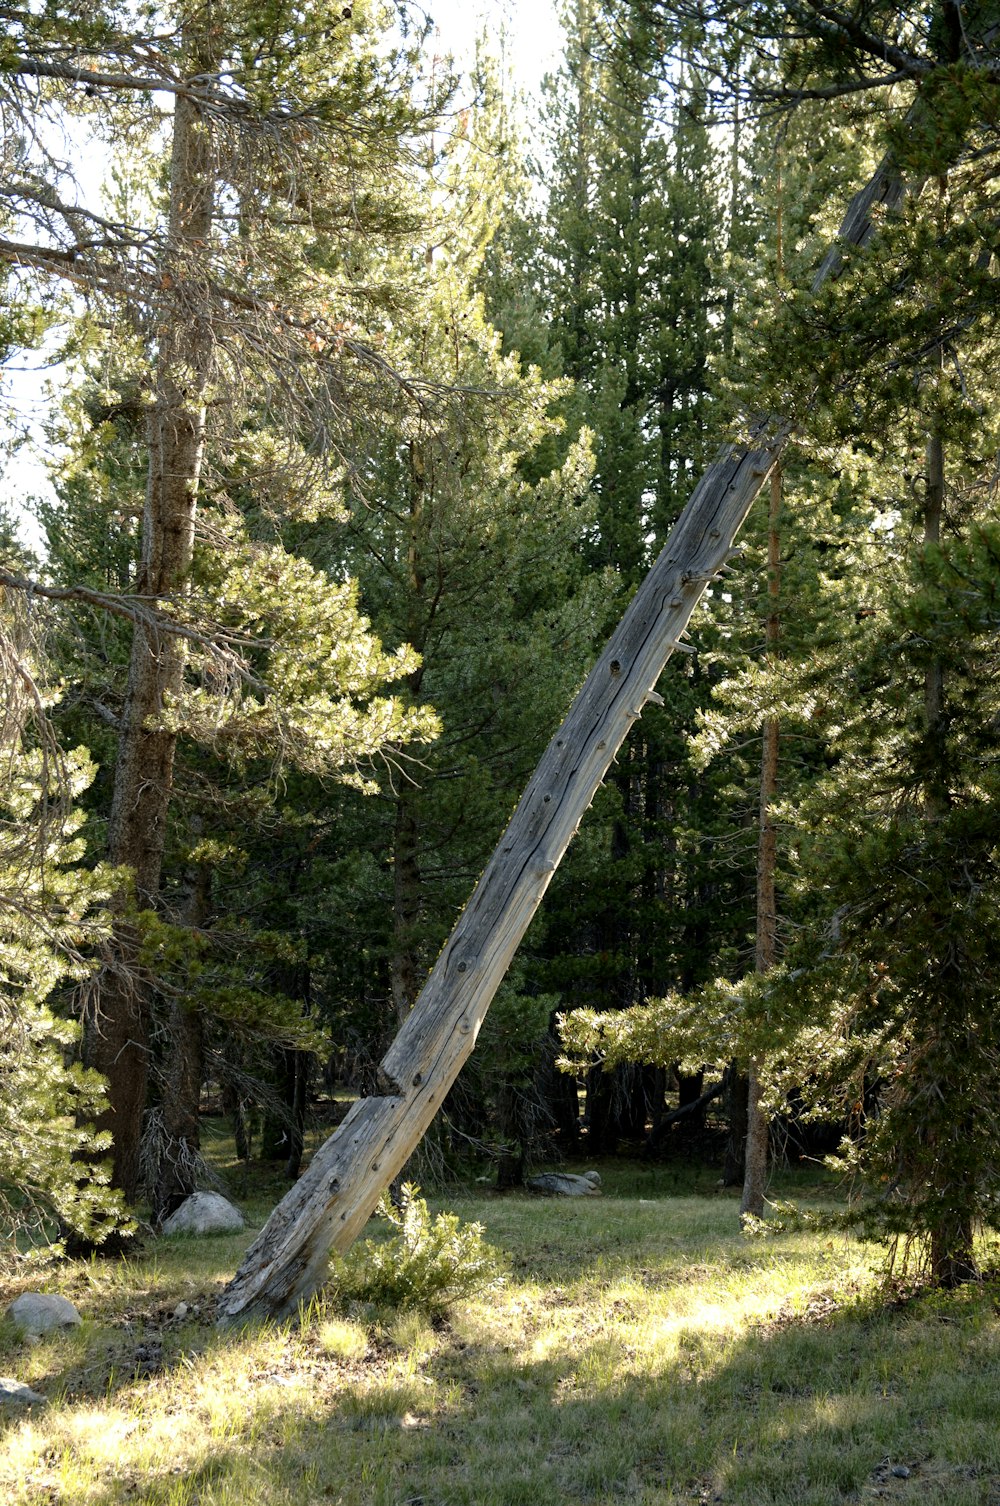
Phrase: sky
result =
(532, 28)
(533, 43)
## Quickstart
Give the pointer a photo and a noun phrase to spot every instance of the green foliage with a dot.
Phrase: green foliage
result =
(428, 1264)
(52, 918)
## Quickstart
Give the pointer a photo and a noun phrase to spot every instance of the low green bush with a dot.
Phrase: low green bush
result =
(427, 1264)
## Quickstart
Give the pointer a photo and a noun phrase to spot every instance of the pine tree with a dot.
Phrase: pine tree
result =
(466, 544)
(52, 915)
(224, 287)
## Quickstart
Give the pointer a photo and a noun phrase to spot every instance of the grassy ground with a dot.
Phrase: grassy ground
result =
(640, 1351)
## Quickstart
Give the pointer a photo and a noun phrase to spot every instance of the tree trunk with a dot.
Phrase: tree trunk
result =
(952, 1260)
(332, 1201)
(178, 1158)
(235, 1107)
(737, 1096)
(755, 1172)
(301, 1066)
(334, 1198)
(406, 895)
(116, 1026)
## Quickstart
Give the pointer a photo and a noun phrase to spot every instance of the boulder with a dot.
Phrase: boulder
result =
(204, 1213)
(35, 1313)
(14, 1394)
(566, 1184)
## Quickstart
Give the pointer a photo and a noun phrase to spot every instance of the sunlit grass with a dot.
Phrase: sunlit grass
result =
(640, 1351)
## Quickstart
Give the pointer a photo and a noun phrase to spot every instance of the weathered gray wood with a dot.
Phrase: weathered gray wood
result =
(333, 1200)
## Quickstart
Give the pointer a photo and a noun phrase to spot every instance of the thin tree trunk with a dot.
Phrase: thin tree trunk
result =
(179, 1155)
(235, 1108)
(301, 1063)
(952, 1260)
(755, 1172)
(737, 1092)
(332, 1201)
(116, 1027)
(406, 891)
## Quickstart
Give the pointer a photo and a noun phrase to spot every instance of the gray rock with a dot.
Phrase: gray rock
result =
(204, 1213)
(566, 1184)
(14, 1394)
(36, 1313)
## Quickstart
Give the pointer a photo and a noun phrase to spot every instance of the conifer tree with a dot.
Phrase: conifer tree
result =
(632, 275)
(223, 287)
(52, 914)
(466, 543)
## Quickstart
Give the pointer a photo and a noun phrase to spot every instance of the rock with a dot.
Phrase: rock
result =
(14, 1394)
(901, 1472)
(36, 1313)
(204, 1213)
(181, 1311)
(566, 1184)
(148, 1359)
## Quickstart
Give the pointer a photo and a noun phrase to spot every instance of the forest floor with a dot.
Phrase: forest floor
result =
(640, 1350)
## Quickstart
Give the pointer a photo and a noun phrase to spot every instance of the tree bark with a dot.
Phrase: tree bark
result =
(737, 1092)
(117, 1024)
(951, 1255)
(406, 896)
(755, 1166)
(332, 1201)
(301, 1065)
(176, 1176)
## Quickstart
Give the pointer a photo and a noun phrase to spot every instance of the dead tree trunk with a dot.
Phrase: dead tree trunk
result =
(332, 1201)
(330, 1204)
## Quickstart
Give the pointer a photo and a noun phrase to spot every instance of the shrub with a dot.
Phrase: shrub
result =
(427, 1264)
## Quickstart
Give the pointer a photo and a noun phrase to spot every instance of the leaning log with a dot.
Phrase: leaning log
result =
(332, 1201)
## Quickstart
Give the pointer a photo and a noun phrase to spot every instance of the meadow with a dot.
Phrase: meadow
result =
(640, 1349)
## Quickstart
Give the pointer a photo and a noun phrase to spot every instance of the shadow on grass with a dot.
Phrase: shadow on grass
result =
(842, 1405)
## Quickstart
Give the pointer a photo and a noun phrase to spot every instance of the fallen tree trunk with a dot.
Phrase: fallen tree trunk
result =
(330, 1204)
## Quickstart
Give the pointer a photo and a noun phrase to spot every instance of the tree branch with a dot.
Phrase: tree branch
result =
(842, 22)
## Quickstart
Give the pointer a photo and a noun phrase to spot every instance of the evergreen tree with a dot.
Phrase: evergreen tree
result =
(466, 543)
(223, 287)
(887, 916)
(52, 914)
(631, 274)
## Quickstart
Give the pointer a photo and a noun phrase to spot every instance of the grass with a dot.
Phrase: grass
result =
(641, 1351)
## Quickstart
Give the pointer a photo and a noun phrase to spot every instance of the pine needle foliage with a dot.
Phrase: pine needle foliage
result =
(427, 1264)
(51, 916)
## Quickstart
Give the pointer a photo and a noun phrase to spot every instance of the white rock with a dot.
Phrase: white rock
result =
(204, 1213)
(40, 1312)
(566, 1184)
(14, 1394)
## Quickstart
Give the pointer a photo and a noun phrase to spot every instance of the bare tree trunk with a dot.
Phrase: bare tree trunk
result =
(737, 1094)
(406, 894)
(116, 1040)
(332, 1201)
(179, 1154)
(755, 1168)
(952, 1260)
